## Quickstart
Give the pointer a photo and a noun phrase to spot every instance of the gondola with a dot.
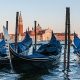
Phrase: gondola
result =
(51, 49)
(4, 50)
(3, 54)
(76, 45)
(22, 61)
(32, 61)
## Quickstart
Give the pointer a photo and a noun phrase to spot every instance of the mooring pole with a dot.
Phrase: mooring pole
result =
(65, 46)
(68, 55)
(67, 41)
(16, 30)
(7, 25)
(35, 34)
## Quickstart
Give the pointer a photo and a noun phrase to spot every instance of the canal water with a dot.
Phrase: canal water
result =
(54, 73)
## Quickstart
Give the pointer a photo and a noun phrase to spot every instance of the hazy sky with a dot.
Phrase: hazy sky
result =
(49, 13)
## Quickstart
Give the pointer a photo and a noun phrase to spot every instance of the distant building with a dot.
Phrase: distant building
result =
(47, 34)
(41, 34)
(12, 37)
(61, 36)
(1, 35)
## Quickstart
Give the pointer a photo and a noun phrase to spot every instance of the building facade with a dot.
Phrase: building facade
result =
(41, 34)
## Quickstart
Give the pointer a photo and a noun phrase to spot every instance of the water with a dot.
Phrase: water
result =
(52, 74)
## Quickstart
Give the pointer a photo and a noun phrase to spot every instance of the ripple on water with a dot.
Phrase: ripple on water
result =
(8, 76)
(53, 74)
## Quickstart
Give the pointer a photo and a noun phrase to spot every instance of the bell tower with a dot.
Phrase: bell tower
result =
(20, 25)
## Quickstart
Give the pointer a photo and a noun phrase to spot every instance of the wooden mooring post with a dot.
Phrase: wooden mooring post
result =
(67, 42)
(35, 34)
(65, 46)
(68, 24)
(7, 25)
(16, 30)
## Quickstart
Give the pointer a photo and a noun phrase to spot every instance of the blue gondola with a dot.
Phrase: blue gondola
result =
(52, 49)
(76, 45)
(4, 51)
(22, 60)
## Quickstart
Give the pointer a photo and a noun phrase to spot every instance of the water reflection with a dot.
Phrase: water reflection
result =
(36, 75)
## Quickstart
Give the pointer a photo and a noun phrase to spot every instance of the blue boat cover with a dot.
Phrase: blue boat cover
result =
(24, 44)
(3, 48)
(2, 43)
(35, 55)
(54, 41)
(52, 46)
(76, 45)
(27, 40)
(76, 41)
